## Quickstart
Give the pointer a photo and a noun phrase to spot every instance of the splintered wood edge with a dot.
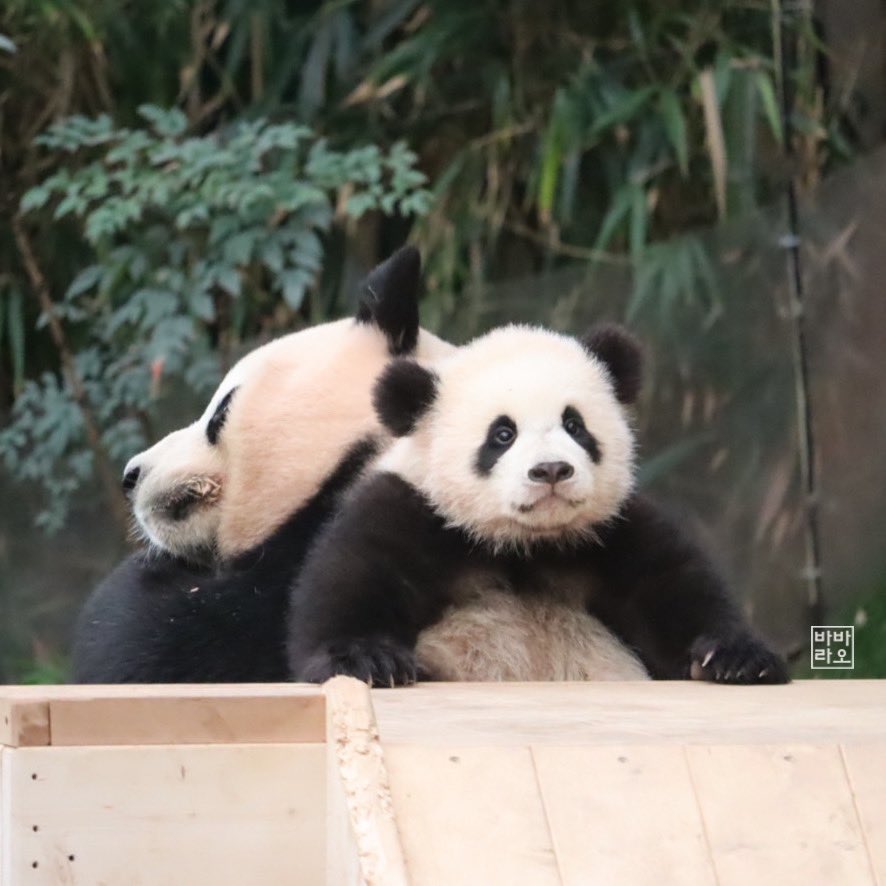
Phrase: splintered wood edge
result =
(357, 769)
(24, 723)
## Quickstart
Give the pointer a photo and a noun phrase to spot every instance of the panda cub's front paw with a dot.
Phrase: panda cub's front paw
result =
(743, 659)
(379, 662)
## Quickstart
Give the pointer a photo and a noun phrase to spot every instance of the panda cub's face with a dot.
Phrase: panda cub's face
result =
(522, 435)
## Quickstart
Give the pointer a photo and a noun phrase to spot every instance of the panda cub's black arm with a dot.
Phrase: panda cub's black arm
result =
(376, 576)
(670, 603)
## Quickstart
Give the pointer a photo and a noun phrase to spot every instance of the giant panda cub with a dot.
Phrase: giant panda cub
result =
(513, 478)
(229, 504)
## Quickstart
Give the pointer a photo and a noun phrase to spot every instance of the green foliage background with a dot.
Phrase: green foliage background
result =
(181, 179)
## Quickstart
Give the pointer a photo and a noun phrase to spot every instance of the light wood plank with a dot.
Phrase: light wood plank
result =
(623, 815)
(220, 814)
(471, 816)
(23, 723)
(779, 814)
(866, 765)
(815, 711)
(372, 853)
(188, 720)
(156, 690)
(850, 711)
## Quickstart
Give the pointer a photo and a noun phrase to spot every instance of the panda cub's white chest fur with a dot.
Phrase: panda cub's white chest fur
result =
(493, 633)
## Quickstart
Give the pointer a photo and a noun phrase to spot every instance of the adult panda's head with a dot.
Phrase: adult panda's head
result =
(521, 435)
(279, 423)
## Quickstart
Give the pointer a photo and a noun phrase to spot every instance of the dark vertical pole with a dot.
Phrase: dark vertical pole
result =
(788, 21)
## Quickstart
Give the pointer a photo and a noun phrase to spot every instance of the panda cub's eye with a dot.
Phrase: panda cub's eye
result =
(502, 432)
(573, 425)
(503, 436)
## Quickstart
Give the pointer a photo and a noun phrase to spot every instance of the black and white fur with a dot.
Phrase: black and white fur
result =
(229, 504)
(513, 479)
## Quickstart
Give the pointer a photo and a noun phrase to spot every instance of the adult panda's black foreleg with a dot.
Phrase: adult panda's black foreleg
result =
(664, 597)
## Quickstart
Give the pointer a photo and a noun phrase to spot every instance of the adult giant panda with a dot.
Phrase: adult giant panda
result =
(513, 480)
(229, 504)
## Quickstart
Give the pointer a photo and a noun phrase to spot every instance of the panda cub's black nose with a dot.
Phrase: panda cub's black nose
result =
(551, 472)
(130, 478)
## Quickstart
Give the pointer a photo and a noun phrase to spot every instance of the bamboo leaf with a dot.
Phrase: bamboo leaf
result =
(622, 111)
(675, 126)
(639, 220)
(770, 105)
(615, 216)
(550, 169)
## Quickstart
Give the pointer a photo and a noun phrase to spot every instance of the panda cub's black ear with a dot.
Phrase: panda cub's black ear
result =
(389, 299)
(403, 394)
(621, 353)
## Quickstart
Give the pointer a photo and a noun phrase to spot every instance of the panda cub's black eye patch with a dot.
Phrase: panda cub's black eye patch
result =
(499, 437)
(574, 425)
(219, 417)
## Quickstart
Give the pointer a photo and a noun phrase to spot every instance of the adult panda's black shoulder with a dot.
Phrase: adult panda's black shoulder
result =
(229, 504)
(509, 497)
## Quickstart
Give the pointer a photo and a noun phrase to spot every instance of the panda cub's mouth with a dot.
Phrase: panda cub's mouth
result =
(550, 500)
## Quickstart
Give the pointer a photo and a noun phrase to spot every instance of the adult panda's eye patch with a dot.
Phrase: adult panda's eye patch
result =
(501, 434)
(574, 425)
(219, 417)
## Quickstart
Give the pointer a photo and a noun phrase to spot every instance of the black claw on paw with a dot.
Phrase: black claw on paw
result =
(378, 662)
(740, 660)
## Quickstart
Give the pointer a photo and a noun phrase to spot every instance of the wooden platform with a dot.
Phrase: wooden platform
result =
(444, 784)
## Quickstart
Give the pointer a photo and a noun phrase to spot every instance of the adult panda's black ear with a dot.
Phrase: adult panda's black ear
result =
(623, 356)
(404, 392)
(389, 299)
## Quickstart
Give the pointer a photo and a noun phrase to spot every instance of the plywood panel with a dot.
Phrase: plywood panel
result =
(471, 816)
(176, 816)
(187, 720)
(779, 814)
(814, 711)
(623, 815)
(866, 765)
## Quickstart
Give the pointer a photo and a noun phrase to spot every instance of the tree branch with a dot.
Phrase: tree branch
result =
(104, 466)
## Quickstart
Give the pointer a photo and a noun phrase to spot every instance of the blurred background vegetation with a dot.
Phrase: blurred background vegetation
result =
(180, 180)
